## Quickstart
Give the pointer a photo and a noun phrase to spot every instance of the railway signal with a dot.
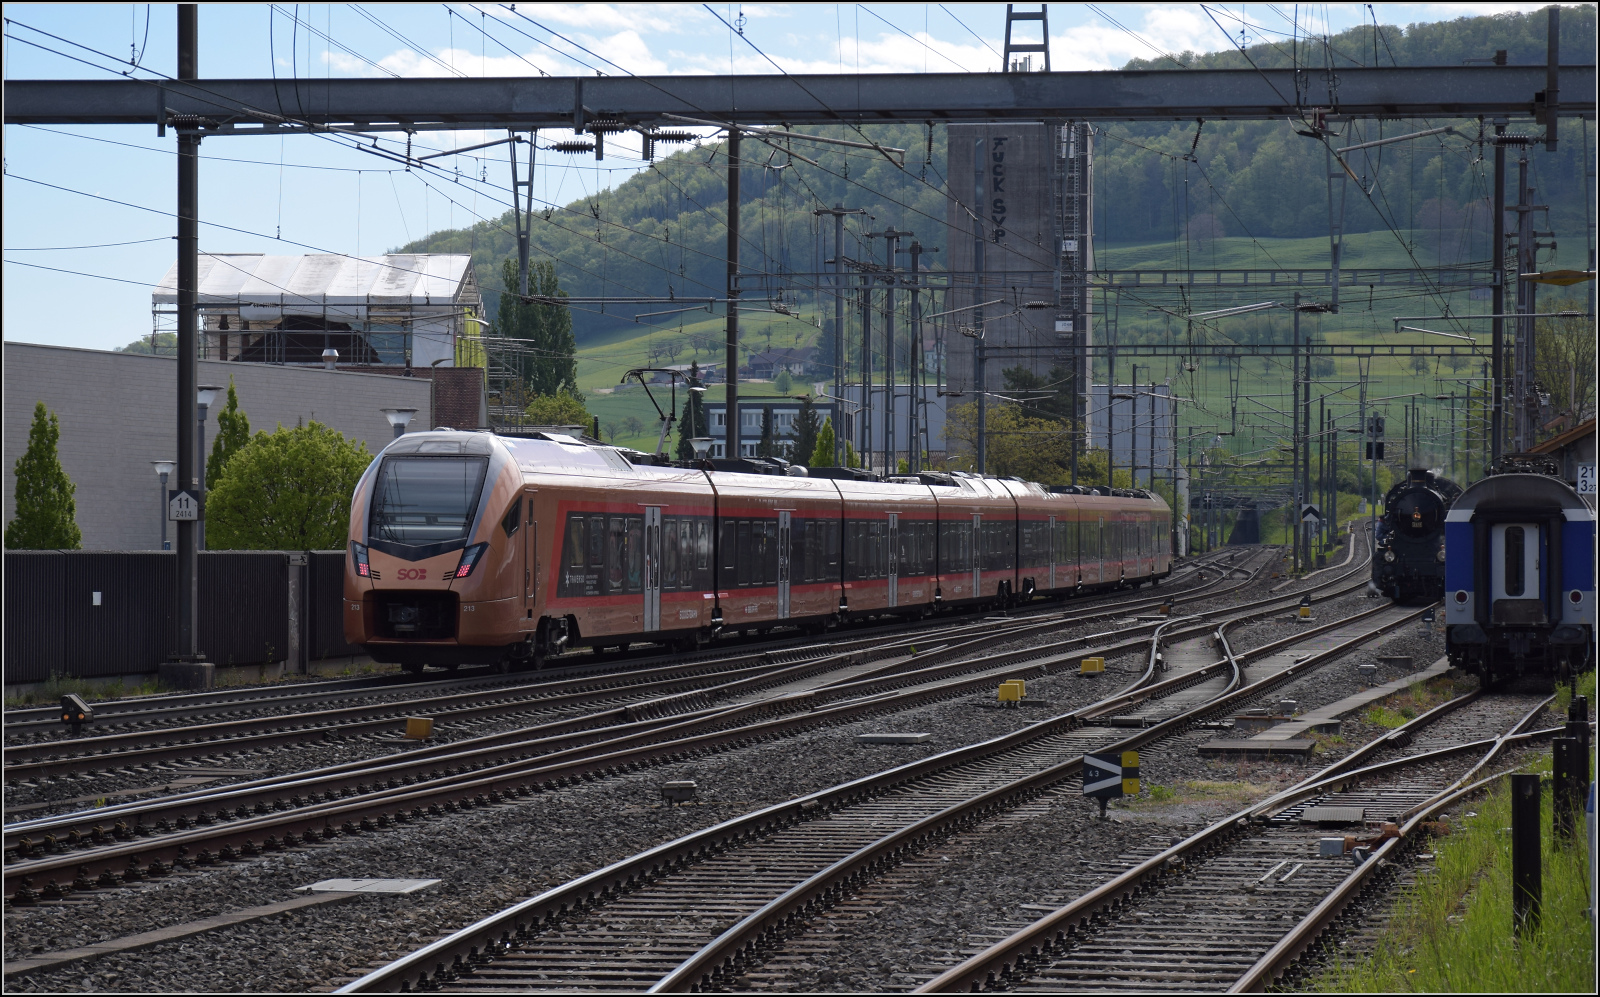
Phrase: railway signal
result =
(1110, 777)
(75, 712)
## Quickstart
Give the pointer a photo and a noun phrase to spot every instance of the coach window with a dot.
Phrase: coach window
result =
(728, 552)
(745, 549)
(1515, 583)
(575, 547)
(669, 553)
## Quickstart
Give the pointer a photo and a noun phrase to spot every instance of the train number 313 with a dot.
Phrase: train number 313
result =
(407, 574)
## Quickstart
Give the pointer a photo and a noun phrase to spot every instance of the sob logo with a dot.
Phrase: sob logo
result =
(412, 574)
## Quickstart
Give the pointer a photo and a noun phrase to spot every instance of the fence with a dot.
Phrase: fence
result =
(98, 613)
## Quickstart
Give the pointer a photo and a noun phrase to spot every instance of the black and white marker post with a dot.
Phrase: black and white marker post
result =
(1110, 777)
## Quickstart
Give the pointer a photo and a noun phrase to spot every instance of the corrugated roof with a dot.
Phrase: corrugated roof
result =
(318, 280)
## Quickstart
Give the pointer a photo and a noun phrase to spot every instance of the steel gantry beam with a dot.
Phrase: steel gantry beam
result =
(590, 103)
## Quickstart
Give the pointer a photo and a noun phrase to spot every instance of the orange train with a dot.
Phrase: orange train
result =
(469, 547)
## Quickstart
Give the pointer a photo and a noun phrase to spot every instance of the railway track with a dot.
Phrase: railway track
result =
(550, 754)
(655, 918)
(144, 745)
(42, 722)
(1232, 907)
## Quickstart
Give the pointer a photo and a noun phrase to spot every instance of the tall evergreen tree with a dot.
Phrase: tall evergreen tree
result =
(822, 453)
(46, 509)
(693, 421)
(768, 447)
(233, 432)
(807, 426)
(546, 328)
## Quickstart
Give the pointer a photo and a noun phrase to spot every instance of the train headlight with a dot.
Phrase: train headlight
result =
(1440, 556)
(358, 553)
(1388, 557)
(469, 560)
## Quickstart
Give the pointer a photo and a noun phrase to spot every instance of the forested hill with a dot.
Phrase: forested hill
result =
(663, 231)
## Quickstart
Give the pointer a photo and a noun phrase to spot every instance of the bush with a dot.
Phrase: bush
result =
(287, 490)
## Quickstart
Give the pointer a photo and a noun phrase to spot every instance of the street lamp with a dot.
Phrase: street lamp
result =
(399, 418)
(164, 471)
(204, 396)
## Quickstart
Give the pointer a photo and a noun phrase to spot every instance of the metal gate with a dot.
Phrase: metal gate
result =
(894, 559)
(783, 565)
(652, 568)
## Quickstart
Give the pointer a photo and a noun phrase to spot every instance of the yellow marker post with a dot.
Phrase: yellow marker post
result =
(1092, 666)
(419, 728)
(1130, 773)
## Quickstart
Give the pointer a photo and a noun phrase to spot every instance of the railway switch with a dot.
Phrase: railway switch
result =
(75, 712)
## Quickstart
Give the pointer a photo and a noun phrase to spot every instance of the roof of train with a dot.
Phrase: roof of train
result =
(1531, 492)
(557, 454)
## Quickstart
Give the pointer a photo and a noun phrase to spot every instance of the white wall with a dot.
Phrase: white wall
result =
(118, 413)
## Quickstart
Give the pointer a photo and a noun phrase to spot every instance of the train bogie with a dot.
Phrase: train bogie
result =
(467, 547)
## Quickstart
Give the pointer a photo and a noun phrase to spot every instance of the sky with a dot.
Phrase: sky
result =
(87, 211)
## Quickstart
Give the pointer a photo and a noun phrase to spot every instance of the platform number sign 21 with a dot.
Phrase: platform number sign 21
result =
(1586, 479)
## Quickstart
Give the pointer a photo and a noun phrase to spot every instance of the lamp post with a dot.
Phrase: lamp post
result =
(164, 471)
(399, 418)
(203, 397)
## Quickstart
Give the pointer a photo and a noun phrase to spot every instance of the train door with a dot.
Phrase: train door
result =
(977, 554)
(530, 560)
(652, 568)
(894, 559)
(1050, 542)
(783, 565)
(1514, 565)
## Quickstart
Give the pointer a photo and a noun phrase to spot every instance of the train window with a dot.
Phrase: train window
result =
(575, 547)
(669, 553)
(513, 520)
(425, 500)
(831, 551)
(685, 553)
(635, 553)
(769, 552)
(616, 554)
(597, 542)
(745, 549)
(1516, 581)
(702, 543)
(728, 552)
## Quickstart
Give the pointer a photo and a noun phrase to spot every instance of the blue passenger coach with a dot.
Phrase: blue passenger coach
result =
(1519, 578)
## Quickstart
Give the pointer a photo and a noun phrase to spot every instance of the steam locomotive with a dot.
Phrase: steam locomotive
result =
(469, 547)
(1408, 563)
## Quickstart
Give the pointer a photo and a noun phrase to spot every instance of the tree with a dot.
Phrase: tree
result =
(822, 453)
(611, 428)
(807, 426)
(1029, 447)
(46, 511)
(561, 408)
(552, 365)
(851, 458)
(287, 490)
(768, 447)
(783, 382)
(632, 426)
(233, 433)
(693, 422)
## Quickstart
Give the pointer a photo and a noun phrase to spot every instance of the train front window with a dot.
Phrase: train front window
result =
(426, 500)
(1515, 582)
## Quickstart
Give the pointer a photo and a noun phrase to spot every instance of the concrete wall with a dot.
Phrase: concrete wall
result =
(117, 414)
(1002, 171)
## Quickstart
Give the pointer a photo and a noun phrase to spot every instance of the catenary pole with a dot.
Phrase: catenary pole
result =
(731, 408)
(188, 344)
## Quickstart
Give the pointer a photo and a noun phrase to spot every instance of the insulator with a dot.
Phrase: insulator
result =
(573, 147)
(673, 136)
